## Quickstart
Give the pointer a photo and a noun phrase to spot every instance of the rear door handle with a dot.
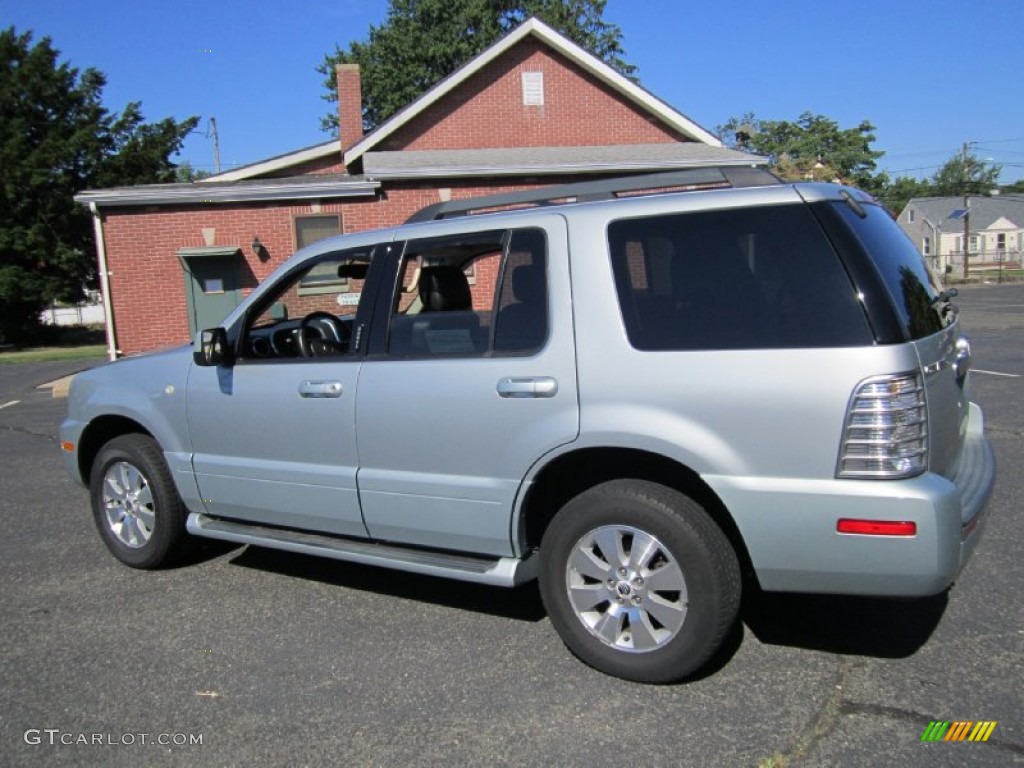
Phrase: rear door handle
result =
(320, 389)
(527, 386)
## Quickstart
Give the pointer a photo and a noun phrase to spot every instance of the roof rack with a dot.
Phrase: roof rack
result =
(604, 189)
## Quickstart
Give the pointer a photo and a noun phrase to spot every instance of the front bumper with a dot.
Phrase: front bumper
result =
(789, 526)
(71, 432)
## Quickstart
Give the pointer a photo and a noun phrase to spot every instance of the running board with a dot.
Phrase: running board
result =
(498, 571)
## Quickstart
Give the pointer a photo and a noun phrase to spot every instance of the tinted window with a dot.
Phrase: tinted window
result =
(471, 294)
(913, 286)
(735, 279)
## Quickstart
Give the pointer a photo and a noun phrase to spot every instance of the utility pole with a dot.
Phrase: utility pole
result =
(967, 213)
(216, 144)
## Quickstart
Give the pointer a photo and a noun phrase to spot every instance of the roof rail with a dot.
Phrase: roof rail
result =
(604, 189)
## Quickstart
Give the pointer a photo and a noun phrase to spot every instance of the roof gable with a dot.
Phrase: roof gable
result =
(1002, 223)
(589, 63)
(628, 91)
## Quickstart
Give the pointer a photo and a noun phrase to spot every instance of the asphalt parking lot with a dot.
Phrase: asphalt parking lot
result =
(277, 659)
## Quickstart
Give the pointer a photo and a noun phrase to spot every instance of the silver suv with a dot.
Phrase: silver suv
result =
(644, 392)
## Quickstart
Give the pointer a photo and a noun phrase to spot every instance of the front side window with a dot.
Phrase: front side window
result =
(294, 322)
(472, 294)
(750, 278)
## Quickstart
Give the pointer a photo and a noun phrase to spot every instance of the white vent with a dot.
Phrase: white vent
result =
(533, 89)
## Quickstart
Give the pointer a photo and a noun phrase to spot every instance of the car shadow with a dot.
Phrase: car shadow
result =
(520, 603)
(841, 624)
(885, 628)
(201, 550)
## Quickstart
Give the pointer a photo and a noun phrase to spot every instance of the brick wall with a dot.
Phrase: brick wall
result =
(487, 111)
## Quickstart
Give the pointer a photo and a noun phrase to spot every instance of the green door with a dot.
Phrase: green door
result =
(212, 285)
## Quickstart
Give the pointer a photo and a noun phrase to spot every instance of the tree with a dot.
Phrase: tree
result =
(966, 175)
(813, 147)
(896, 193)
(186, 173)
(424, 41)
(56, 138)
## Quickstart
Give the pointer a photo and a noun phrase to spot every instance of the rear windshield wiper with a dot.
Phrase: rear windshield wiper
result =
(945, 296)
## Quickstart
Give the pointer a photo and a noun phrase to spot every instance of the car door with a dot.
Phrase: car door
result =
(470, 381)
(274, 434)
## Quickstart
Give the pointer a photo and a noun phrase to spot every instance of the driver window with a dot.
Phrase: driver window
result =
(312, 314)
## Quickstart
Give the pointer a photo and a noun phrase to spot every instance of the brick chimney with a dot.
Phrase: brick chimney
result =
(350, 104)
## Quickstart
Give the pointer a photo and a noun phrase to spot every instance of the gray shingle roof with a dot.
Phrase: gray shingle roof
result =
(549, 160)
(985, 211)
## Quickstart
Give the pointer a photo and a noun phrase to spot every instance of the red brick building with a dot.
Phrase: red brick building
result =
(534, 109)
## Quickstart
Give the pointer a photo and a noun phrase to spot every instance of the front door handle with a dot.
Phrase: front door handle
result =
(527, 386)
(320, 389)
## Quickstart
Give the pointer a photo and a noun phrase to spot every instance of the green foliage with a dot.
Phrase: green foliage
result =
(186, 173)
(896, 193)
(424, 41)
(950, 180)
(812, 147)
(56, 138)
(815, 147)
(961, 176)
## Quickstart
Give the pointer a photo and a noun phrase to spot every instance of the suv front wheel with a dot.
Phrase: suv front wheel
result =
(134, 502)
(638, 581)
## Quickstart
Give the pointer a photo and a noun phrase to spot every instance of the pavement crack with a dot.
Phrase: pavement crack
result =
(824, 721)
(29, 432)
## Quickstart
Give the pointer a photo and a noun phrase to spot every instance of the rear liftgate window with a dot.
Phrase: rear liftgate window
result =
(915, 290)
(751, 278)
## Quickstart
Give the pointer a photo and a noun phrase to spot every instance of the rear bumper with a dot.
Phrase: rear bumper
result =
(789, 526)
(974, 480)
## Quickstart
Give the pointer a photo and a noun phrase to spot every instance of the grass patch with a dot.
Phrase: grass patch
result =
(50, 354)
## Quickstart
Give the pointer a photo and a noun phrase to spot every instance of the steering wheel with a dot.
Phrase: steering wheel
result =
(316, 347)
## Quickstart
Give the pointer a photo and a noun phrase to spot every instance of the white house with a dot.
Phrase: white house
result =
(995, 237)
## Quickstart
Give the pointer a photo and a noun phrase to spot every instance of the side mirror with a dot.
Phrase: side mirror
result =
(213, 348)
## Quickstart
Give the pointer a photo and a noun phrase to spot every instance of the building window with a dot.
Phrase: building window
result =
(972, 244)
(1001, 242)
(323, 278)
(309, 229)
(927, 246)
(213, 285)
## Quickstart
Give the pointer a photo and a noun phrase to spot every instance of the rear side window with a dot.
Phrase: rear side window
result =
(749, 278)
(914, 288)
(469, 295)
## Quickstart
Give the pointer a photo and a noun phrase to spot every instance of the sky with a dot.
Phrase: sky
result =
(930, 75)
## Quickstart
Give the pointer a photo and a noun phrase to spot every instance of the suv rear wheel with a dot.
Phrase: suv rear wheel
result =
(638, 581)
(134, 502)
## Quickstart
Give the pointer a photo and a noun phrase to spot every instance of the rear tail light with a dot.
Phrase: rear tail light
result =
(886, 430)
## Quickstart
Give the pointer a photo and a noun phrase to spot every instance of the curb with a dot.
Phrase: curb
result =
(58, 387)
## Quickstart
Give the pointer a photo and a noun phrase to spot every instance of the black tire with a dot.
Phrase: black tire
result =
(137, 510)
(654, 630)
